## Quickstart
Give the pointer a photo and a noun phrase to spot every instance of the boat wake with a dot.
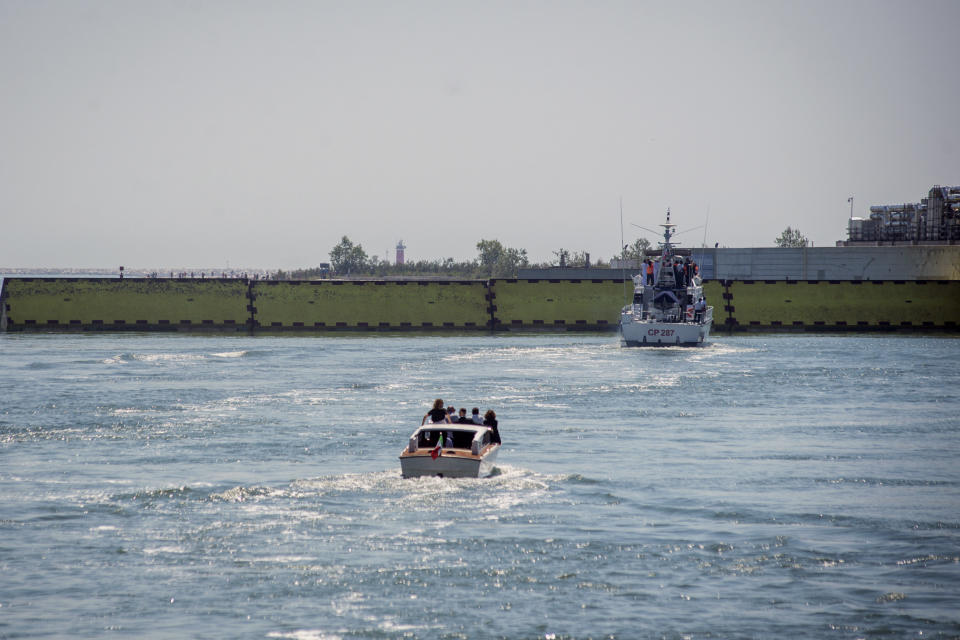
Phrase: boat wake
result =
(162, 358)
(505, 486)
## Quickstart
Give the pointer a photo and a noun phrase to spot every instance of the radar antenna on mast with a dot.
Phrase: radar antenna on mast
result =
(668, 233)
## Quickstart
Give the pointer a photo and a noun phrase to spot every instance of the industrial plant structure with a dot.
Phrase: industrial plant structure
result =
(934, 220)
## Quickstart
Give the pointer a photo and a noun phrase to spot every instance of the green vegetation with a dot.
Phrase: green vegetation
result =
(791, 238)
(346, 257)
(638, 250)
(494, 260)
(498, 261)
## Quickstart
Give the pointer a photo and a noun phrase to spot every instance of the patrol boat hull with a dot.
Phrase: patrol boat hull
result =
(640, 333)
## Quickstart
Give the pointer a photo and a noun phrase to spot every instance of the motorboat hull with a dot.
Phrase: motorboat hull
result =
(451, 463)
(450, 450)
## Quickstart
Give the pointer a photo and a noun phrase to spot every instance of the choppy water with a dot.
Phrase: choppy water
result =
(169, 486)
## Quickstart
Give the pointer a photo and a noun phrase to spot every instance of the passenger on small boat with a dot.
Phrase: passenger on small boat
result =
(437, 414)
(490, 420)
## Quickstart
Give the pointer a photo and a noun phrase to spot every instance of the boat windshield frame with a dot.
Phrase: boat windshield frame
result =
(463, 435)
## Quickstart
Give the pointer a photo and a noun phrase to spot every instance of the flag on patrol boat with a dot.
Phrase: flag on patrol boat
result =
(438, 450)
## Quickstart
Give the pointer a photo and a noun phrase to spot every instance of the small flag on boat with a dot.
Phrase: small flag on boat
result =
(437, 450)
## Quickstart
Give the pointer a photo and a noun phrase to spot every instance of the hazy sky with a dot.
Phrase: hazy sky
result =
(169, 133)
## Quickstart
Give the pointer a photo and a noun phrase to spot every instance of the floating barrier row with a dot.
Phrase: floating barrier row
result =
(837, 305)
(112, 304)
(224, 305)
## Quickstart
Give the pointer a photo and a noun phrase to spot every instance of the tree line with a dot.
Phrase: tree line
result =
(493, 260)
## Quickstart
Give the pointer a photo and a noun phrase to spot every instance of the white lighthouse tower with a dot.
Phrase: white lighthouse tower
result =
(400, 248)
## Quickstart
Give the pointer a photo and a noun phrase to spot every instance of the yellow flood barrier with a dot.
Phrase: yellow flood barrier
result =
(839, 305)
(97, 304)
(146, 304)
(370, 304)
(558, 304)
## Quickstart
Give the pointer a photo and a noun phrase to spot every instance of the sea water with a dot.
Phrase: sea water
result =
(176, 486)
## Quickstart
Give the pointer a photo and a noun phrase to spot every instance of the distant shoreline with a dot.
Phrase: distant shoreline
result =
(73, 272)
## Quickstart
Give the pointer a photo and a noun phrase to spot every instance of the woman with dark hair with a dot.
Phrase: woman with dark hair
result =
(437, 414)
(490, 420)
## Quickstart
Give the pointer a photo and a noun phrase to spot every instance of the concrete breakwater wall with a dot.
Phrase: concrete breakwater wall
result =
(109, 304)
(832, 263)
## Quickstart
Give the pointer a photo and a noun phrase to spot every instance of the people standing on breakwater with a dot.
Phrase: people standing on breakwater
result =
(490, 420)
(437, 414)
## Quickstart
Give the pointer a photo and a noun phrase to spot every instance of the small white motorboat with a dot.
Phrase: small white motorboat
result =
(449, 451)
